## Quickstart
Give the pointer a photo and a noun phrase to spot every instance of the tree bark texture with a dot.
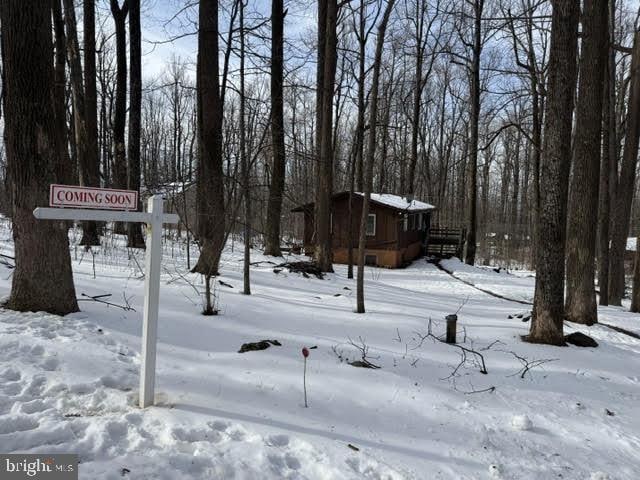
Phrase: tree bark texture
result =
(210, 182)
(276, 188)
(87, 174)
(135, 239)
(42, 279)
(119, 169)
(547, 323)
(64, 170)
(474, 118)
(244, 164)
(608, 171)
(327, 53)
(621, 214)
(583, 202)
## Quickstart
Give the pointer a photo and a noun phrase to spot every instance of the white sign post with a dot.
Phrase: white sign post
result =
(154, 218)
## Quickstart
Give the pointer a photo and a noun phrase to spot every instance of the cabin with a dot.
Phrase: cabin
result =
(397, 228)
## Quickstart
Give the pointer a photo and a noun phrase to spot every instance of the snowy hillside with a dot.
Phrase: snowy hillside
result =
(69, 384)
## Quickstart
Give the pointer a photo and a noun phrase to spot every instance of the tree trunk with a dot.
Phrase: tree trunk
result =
(246, 188)
(64, 172)
(417, 99)
(622, 205)
(42, 279)
(90, 106)
(371, 150)
(360, 123)
(327, 58)
(86, 173)
(546, 325)
(581, 230)
(119, 167)
(210, 180)
(276, 188)
(474, 117)
(635, 295)
(608, 172)
(135, 238)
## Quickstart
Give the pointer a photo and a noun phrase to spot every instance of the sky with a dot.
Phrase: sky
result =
(169, 28)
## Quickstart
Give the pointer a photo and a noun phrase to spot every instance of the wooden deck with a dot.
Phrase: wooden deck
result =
(446, 242)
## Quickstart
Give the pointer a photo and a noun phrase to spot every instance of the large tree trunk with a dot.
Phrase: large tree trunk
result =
(42, 279)
(327, 59)
(608, 171)
(134, 229)
(210, 181)
(276, 189)
(371, 150)
(119, 169)
(474, 118)
(622, 204)
(581, 230)
(546, 325)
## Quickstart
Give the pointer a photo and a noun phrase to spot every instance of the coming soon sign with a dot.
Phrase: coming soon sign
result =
(87, 197)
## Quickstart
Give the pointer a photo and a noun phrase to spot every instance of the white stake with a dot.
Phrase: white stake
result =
(151, 299)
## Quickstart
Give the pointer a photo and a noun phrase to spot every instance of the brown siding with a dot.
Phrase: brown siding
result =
(391, 245)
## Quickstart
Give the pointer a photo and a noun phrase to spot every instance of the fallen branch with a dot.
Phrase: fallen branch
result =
(99, 299)
(527, 364)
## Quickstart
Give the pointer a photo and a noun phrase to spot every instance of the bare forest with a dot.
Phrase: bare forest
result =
(519, 120)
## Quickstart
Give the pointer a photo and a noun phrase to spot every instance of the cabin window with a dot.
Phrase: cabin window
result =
(371, 225)
(371, 260)
(420, 221)
(405, 223)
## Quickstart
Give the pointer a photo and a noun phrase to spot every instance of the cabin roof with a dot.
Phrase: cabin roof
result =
(167, 189)
(395, 202)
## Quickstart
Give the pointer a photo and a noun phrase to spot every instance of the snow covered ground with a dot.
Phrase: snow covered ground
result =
(69, 384)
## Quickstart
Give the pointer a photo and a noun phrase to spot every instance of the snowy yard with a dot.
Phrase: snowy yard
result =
(69, 384)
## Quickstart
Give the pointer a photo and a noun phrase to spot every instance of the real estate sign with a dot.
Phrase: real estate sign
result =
(99, 205)
(88, 197)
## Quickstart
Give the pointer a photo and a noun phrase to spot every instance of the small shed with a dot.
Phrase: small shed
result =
(397, 228)
(180, 198)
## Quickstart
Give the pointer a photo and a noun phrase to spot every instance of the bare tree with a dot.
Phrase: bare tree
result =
(625, 184)
(86, 168)
(42, 279)
(327, 59)
(371, 150)
(244, 164)
(120, 13)
(546, 324)
(65, 174)
(210, 182)
(134, 230)
(276, 188)
(583, 201)
(609, 165)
